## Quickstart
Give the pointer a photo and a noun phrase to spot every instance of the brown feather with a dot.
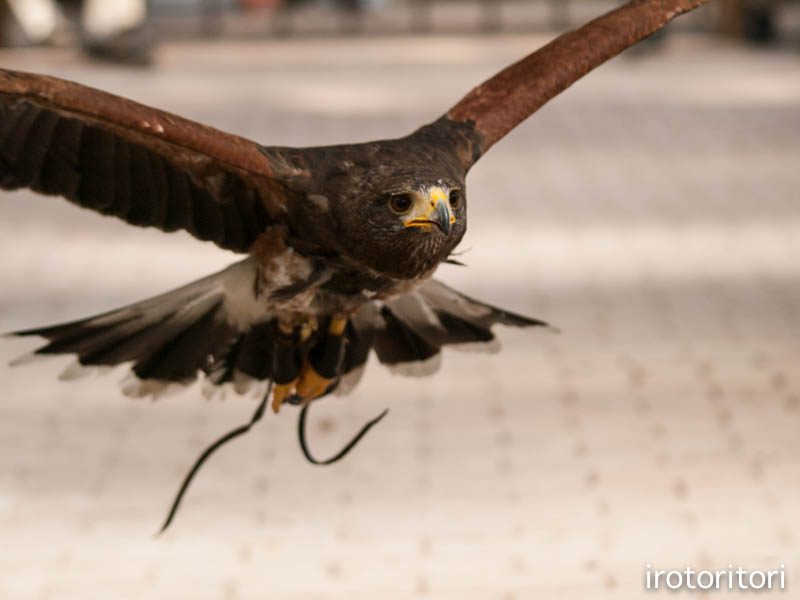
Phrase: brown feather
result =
(195, 145)
(512, 95)
(143, 165)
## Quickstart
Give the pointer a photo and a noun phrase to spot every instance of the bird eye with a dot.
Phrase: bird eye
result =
(400, 204)
(455, 199)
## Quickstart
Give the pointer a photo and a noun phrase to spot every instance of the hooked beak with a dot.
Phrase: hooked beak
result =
(441, 217)
(437, 213)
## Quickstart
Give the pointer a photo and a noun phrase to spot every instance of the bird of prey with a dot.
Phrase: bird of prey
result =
(340, 242)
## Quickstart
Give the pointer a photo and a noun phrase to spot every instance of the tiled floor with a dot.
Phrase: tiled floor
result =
(652, 213)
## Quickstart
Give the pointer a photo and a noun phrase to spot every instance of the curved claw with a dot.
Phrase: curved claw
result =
(319, 371)
(311, 384)
(283, 391)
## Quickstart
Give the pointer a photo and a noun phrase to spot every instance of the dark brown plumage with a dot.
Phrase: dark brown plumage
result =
(341, 241)
(331, 232)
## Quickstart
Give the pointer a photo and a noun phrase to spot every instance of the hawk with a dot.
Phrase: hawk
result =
(340, 242)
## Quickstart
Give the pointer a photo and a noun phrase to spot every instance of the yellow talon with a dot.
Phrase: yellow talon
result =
(281, 393)
(311, 384)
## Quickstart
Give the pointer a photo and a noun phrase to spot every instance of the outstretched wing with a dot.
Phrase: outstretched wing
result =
(501, 103)
(143, 165)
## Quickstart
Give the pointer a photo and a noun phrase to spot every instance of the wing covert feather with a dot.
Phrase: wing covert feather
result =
(140, 164)
(505, 100)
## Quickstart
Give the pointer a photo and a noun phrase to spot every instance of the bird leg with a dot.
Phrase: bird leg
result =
(285, 365)
(323, 363)
(300, 381)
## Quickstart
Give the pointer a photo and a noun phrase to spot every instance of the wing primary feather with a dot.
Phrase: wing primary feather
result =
(462, 331)
(178, 358)
(34, 148)
(502, 102)
(95, 163)
(179, 213)
(59, 173)
(207, 220)
(80, 338)
(145, 166)
(399, 342)
(144, 195)
(233, 226)
(159, 178)
(122, 344)
(171, 337)
(121, 202)
(22, 116)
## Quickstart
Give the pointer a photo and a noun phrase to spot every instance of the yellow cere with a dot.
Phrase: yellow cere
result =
(425, 206)
(437, 195)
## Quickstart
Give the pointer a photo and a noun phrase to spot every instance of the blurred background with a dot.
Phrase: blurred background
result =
(650, 212)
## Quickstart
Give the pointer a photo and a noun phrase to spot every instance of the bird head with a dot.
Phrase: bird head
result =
(397, 207)
(406, 229)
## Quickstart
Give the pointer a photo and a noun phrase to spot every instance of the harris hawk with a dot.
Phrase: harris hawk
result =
(340, 242)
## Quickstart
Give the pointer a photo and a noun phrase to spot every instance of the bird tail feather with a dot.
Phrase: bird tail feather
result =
(170, 337)
(199, 328)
